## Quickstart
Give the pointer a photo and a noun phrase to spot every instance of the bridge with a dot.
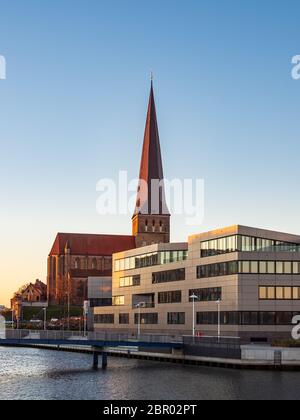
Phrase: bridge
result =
(98, 341)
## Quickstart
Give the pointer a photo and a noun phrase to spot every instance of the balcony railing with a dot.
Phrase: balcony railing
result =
(147, 305)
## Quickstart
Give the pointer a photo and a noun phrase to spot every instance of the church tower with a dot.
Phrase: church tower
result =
(151, 219)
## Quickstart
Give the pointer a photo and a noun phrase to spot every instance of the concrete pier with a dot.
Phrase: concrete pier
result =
(95, 360)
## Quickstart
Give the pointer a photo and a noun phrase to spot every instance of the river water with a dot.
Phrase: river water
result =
(30, 374)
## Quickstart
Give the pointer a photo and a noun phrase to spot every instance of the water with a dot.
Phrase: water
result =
(29, 374)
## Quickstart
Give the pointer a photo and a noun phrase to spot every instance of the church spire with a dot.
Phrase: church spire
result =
(151, 193)
(151, 219)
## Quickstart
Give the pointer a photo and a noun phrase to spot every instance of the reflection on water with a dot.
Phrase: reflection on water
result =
(38, 374)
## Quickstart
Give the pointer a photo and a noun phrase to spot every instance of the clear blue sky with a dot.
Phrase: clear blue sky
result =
(74, 103)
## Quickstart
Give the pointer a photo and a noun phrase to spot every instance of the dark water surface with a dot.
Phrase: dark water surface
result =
(37, 374)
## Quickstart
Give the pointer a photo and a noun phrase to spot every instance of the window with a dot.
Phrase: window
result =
(94, 264)
(169, 297)
(100, 302)
(254, 267)
(117, 266)
(263, 293)
(176, 318)
(77, 264)
(124, 319)
(287, 267)
(150, 260)
(244, 244)
(104, 319)
(296, 268)
(271, 267)
(246, 318)
(118, 300)
(248, 267)
(279, 293)
(146, 319)
(271, 293)
(168, 276)
(263, 268)
(217, 270)
(288, 293)
(296, 293)
(130, 281)
(279, 267)
(207, 295)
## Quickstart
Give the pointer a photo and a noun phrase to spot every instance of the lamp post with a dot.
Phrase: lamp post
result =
(219, 318)
(194, 298)
(45, 319)
(139, 306)
(12, 319)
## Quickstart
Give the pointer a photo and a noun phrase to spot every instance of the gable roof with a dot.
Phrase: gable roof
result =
(91, 245)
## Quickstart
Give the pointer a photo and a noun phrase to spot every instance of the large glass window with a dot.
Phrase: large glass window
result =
(130, 281)
(150, 260)
(169, 297)
(168, 276)
(104, 319)
(279, 293)
(118, 300)
(248, 267)
(246, 318)
(245, 244)
(176, 318)
(146, 319)
(207, 295)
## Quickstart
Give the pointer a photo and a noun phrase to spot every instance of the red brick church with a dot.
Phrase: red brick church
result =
(75, 257)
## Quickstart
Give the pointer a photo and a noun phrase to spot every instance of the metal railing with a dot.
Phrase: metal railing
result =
(107, 337)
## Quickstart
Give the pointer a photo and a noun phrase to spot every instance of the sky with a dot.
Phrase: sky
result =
(73, 111)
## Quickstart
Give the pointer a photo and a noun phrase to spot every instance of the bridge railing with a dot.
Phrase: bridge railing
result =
(31, 335)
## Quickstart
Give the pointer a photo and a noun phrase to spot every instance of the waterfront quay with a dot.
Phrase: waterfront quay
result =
(224, 352)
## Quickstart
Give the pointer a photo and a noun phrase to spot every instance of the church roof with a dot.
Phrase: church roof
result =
(151, 166)
(92, 245)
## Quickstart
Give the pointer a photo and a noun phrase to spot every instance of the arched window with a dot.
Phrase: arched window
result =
(77, 264)
(161, 226)
(146, 226)
(94, 264)
(153, 226)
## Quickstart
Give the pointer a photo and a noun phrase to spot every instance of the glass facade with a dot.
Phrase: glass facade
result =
(170, 297)
(240, 243)
(168, 276)
(247, 318)
(130, 281)
(279, 293)
(207, 295)
(150, 260)
(248, 267)
(176, 318)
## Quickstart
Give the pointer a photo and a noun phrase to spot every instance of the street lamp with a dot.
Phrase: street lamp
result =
(219, 318)
(139, 306)
(194, 298)
(45, 319)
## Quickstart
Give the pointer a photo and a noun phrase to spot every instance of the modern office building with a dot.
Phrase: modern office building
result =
(247, 278)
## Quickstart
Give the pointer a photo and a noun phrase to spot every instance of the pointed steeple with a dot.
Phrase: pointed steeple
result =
(151, 193)
(151, 219)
